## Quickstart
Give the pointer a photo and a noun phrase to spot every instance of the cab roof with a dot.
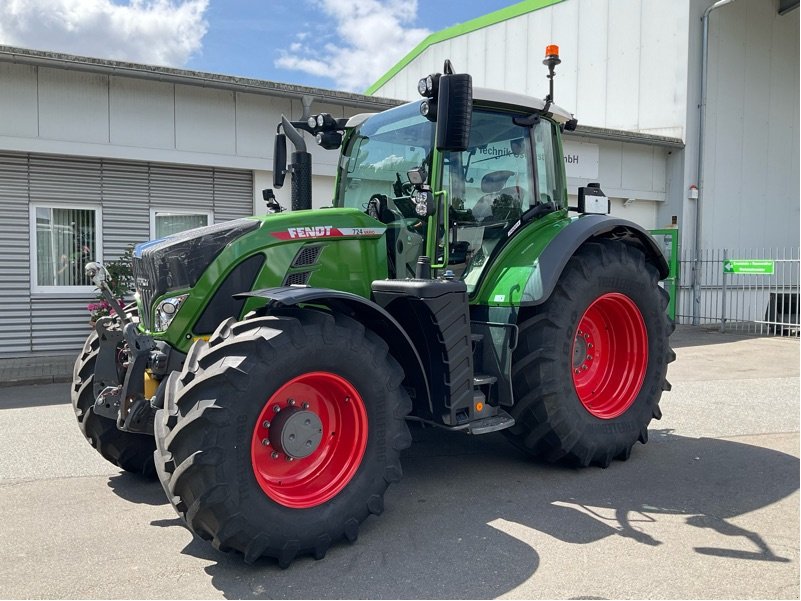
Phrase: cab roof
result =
(496, 97)
(512, 99)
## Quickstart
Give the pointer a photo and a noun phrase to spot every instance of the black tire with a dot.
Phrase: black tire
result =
(207, 434)
(131, 452)
(552, 421)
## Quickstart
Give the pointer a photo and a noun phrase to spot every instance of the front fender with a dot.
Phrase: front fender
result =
(372, 316)
(527, 270)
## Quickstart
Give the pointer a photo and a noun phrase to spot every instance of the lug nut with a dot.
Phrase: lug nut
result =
(291, 402)
(589, 357)
(589, 345)
(583, 368)
(275, 455)
(577, 370)
(265, 442)
(266, 423)
(288, 458)
(276, 408)
(304, 405)
(586, 336)
(347, 399)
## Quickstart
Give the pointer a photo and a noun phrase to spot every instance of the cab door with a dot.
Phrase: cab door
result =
(488, 187)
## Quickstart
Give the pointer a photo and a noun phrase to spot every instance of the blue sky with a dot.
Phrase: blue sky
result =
(342, 44)
(245, 37)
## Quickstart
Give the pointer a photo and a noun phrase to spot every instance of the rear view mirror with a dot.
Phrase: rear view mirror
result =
(279, 160)
(454, 112)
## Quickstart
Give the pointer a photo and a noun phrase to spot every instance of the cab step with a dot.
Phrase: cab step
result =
(500, 421)
(483, 380)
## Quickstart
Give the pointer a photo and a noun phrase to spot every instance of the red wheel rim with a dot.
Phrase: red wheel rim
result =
(610, 355)
(310, 402)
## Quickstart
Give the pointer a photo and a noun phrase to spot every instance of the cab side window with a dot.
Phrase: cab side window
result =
(548, 184)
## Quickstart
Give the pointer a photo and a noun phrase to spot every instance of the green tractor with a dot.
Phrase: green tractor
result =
(270, 366)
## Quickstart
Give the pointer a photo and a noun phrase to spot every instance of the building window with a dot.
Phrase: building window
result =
(166, 223)
(63, 240)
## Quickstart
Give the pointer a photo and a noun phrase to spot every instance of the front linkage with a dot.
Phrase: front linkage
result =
(126, 361)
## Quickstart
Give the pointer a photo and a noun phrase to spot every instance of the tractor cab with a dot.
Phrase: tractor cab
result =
(509, 168)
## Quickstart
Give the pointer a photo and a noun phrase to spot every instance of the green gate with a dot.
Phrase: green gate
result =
(668, 241)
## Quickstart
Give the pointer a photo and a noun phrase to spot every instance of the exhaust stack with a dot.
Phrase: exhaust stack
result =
(301, 168)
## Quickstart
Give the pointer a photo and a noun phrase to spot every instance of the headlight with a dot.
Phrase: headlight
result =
(167, 310)
(423, 202)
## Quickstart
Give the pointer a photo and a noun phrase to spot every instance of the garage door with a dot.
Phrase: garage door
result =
(55, 211)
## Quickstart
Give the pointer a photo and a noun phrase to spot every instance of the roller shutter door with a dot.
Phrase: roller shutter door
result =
(124, 192)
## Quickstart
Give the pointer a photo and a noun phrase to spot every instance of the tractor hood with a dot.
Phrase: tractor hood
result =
(340, 248)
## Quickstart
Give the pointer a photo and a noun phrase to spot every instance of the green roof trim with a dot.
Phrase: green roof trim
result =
(504, 14)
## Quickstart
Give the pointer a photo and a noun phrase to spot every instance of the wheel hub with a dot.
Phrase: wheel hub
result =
(309, 439)
(610, 355)
(582, 352)
(296, 432)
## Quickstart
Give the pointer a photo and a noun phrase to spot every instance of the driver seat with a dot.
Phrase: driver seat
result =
(491, 184)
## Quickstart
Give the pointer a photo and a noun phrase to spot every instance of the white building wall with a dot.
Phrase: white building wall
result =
(751, 154)
(72, 113)
(624, 62)
(631, 175)
(635, 65)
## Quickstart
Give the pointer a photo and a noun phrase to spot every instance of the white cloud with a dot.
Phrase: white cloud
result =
(372, 35)
(162, 32)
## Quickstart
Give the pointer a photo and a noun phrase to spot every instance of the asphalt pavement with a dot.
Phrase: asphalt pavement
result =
(709, 508)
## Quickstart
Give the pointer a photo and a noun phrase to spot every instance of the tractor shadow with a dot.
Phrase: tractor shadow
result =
(137, 489)
(463, 521)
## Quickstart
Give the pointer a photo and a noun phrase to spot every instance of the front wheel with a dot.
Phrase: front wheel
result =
(590, 365)
(132, 452)
(280, 435)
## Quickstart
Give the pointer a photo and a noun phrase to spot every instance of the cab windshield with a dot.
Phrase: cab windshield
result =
(373, 178)
(378, 154)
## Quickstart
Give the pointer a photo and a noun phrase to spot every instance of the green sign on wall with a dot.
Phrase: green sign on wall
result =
(752, 266)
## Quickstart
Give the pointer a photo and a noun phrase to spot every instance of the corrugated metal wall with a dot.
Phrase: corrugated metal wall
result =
(125, 192)
(15, 304)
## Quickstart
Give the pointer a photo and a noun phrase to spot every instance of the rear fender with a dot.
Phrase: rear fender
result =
(371, 315)
(532, 280)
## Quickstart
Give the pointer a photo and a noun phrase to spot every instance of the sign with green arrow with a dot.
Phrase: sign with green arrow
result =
(752, 266)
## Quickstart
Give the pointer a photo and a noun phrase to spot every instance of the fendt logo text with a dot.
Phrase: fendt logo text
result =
(310, 232)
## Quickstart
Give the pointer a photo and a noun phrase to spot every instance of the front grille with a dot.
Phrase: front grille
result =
(177, 262)
(306, 256)
(300, 278)
(144, 279)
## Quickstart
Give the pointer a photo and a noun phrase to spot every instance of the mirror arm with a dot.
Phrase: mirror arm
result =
(293, 135)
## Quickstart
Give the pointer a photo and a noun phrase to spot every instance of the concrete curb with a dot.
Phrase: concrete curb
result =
(35, 381)
(36, 369)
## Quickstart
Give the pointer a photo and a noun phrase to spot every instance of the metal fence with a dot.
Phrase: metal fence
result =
(746, 290)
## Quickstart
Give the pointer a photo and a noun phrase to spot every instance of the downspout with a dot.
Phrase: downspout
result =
(700, 171)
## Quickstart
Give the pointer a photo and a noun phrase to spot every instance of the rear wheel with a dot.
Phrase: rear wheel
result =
(590, 365)
(280, 435)
(131, 452)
